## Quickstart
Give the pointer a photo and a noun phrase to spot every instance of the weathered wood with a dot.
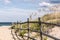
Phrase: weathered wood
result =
(41, 33)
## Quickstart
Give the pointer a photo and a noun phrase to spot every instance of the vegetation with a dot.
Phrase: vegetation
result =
(50, 18)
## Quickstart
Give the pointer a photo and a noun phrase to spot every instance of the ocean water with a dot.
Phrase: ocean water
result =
(5, 23)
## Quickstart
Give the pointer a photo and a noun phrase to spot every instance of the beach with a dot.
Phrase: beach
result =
(5, 33)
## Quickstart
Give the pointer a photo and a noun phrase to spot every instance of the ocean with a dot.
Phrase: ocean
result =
(5, 23)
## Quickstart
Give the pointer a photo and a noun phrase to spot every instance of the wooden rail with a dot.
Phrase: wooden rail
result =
(41, 33)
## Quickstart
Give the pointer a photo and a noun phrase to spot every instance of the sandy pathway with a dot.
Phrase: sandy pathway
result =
(5, 33)
(55, 33)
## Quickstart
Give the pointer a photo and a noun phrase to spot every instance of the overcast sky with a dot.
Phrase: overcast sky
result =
(16, 10)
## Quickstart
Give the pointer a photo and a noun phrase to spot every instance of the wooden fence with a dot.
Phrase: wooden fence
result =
(41, 33)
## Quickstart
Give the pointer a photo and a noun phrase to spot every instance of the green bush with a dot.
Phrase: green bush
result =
(34, 26)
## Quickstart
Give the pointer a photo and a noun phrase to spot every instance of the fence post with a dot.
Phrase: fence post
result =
(28, 28)
(40, 28)
(16, 24)
(20, 29)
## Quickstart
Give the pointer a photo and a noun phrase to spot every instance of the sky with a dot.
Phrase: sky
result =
(20, 10)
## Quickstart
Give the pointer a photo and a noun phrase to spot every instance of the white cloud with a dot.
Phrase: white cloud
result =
(14, 14)
(28, 0)
(17, 11)
(45, 4)
(7, 2)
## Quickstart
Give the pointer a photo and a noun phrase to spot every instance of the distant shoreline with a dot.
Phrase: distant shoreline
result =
(5, 23)
(6, 26)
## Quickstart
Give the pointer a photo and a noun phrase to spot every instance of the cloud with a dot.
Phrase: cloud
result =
(45, 4)
(29, 0)
(7, 2)
(55, 1)
(14, 14)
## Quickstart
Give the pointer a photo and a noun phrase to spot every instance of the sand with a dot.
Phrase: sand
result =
(55, 32)
(5, 33)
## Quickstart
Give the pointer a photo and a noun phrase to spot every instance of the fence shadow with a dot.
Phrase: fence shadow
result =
(41, 33)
